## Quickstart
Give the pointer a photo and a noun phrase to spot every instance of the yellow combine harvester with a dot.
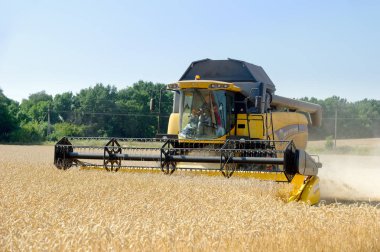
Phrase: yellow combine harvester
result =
(226, 119)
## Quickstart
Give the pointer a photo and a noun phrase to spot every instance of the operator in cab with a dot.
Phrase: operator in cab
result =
(205, 120)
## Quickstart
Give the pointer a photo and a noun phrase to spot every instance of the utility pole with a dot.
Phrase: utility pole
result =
(49, 126)
(159, 113)
(336, 125)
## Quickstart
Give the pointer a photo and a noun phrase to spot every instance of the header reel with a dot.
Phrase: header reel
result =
(167, 155)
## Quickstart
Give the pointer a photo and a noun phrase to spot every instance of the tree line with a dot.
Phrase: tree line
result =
(101, 111)
(104, 111)
(360, 119)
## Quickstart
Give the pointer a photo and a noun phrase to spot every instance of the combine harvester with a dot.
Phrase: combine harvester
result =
(226, 120)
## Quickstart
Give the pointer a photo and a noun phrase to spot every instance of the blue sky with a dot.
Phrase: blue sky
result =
(308, 48)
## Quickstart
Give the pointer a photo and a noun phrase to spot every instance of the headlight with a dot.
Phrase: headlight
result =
(214, 85)
(173, 86)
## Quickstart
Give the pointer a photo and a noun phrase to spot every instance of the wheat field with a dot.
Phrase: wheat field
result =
(45, 209)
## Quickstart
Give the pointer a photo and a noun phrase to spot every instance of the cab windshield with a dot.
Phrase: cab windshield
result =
(203, 114)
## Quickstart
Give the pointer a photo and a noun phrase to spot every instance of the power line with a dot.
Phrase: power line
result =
(111, 114)
(133, 113)
(350, 118)
(138, 114)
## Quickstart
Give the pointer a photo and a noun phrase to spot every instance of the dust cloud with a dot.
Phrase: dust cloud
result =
(350, 177)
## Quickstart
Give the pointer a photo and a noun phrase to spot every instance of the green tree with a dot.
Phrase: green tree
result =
(63, 107)
(96, 108)
(8, 120)
(67, 129)
(29, 132)
(354, 119)
(135, 102)
(35, 108)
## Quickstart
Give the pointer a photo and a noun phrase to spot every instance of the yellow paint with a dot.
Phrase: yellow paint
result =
(259, 126)
(205, 84)
(256, 126)
(137, 169)
(305, 189)
(311, 193)
(272, 176)
(298, 185)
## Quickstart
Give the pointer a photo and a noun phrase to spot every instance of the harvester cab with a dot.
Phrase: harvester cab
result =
(226, 119)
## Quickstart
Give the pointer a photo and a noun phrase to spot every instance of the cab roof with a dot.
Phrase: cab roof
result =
(229, 70)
